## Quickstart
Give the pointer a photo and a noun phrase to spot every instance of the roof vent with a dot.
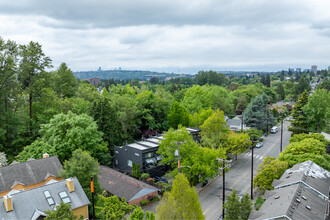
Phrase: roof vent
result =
(304, 197)
(290, 172)
(298, 200)
(287, 177)
(277, 197)
(308, 207)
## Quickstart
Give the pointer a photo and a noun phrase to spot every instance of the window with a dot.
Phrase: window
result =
(50, 201)
(49, 198)
(129, 163)
(116, 162)
(64, 196)
(47, 194)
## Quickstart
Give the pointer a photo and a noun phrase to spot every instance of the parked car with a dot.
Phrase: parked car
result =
(259, 145)
(274, 129)
(162, 179)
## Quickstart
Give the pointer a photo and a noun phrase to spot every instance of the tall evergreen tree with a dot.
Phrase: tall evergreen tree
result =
(106, 118)
(280, 91)
(65, 83)
(267, 80)
(299, 123)
(302, 86)
(32, 64)
(255, 115)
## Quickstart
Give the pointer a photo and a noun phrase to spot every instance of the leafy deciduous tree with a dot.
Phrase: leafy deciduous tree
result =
(67, 132)
(82, 165)
(318, 110)
(178, 115)
(181, 203)
(113, 208)
(270, 169)
(62, 211)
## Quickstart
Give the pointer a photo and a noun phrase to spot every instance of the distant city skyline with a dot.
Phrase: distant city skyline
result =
(182, 36)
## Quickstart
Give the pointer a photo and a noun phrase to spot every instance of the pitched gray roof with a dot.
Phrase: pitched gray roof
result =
(29, 172)
(122, 185)
(308, 173)
(283, 203)
(27, 203)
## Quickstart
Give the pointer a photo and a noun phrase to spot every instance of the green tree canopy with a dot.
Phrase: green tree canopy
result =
(63, 211)
(139, 214)
(317, 110)
(198, 118)
(214, 130)
(181, 203)
(280, 91)
(107, 120)
(113, 208)
(65, 83)
(255, 115)
(82, 165)
(178, 115)
(68, 132)
(36, 151)
(299, 122)
(197, 163)
(307, 149)
(270, 169)
(235, 209)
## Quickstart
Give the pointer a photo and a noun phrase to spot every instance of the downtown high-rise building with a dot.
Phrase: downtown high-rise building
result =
(314, 68)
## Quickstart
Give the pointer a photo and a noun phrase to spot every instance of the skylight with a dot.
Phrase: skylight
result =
(64, 196)
(49, 198)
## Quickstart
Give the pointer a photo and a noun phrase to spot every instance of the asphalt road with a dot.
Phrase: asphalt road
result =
(239, 175)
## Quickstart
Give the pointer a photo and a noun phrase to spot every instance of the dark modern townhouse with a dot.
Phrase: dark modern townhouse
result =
(143, 153)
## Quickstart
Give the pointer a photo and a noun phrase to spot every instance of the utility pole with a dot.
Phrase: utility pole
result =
(252, 172)
(242, 124)
(92, 190)
(267, 119)
(281, 135)
(223, 188)
(223, 185)
(178, 156)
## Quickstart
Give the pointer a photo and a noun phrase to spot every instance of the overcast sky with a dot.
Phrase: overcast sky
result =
(179, 36)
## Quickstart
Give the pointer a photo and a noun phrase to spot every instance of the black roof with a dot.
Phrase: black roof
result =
(29, 172)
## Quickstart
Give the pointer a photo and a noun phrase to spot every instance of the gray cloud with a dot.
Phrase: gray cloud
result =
(86, 14)
(183, 35)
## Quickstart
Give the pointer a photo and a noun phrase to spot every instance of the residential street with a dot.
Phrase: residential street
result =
(239, 175)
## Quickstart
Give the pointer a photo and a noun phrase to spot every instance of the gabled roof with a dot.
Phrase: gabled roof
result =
(308, 173)
(30, 203)
(122, 185)
(294, 202)
(29, 172)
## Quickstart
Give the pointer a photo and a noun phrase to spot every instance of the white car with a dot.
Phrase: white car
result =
(259, 145)
(274, 129)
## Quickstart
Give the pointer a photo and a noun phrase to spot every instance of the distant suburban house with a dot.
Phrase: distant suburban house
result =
(94, 81)
(143, 153)
(30, 174)
(301, 193)
(32, 203)
(235, 124)
(123, 186)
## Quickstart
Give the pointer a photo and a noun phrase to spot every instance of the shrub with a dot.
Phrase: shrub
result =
(145, 176)
(143, 202)
(259, 202)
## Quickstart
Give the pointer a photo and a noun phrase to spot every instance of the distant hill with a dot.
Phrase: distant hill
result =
(122, 74)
